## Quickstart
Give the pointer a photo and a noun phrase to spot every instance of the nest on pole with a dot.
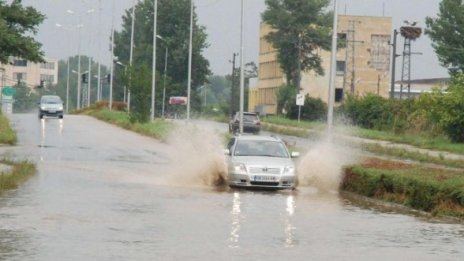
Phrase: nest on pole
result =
(411, 32)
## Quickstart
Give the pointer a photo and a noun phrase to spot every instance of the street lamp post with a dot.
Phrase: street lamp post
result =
(165, 72)
(110, 103)
(332, 70)
(79, 53)
(67, 87)
(164, 80)
(125, 71)
(242, 76)
(189, 78)
(67, 69)
(153, 83)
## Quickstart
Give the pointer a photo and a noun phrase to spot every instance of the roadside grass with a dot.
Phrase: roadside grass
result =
(307, 129)
(403, 154)
(7, 134)
(17, 174)
(278, 120)
(158, 129)
(434, 190)
(420, 141)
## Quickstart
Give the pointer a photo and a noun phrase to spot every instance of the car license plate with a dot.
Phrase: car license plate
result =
(51, 111)
(264, 178)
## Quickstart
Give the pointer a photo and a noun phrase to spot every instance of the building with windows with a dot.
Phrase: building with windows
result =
(28, 73)
(363, 64)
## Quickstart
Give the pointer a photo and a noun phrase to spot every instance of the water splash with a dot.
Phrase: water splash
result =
(322, 165)
(197, 157)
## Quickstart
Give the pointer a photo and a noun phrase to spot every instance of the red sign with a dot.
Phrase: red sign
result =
(178, 100)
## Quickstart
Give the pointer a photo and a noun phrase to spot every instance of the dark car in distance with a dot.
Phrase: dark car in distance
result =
(251, 123)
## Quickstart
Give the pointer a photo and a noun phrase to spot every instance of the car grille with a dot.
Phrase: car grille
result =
(264, 170)
(261, 183)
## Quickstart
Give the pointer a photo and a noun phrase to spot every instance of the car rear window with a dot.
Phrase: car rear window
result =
(249, 118)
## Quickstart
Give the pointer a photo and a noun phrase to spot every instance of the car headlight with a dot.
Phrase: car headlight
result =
(239, 168)
(289, 170)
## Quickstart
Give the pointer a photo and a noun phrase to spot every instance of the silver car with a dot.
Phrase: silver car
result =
(260, 161)
(50, 105)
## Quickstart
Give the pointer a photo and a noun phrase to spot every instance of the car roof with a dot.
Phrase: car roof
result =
(51, 97)
(247, 113)
(258, 137)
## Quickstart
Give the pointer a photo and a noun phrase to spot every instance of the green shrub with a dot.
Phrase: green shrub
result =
(370, 111)
(314, 109)
(7, 134)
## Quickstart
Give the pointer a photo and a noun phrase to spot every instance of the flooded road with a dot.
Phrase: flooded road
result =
(104, 193)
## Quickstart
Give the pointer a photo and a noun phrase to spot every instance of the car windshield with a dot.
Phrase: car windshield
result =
(260, 148)
(51, 99)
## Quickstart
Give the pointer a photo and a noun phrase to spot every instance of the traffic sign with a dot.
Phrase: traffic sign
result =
(300, 99)
(8, 91)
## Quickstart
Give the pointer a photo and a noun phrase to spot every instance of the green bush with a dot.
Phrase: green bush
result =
(370, 111)
(7, 134)
(314, 109)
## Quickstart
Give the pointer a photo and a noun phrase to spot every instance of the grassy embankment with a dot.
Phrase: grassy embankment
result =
(7, 134)
(17, 173)
(158, 129)
(12, 173)
(434, 190)
(438, 190)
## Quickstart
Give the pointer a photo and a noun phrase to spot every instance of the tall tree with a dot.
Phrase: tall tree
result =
(17, 23)
(173, 25)
(446, 32)
(299, 29)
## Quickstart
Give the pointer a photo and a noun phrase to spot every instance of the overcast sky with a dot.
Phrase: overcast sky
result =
(222, 21)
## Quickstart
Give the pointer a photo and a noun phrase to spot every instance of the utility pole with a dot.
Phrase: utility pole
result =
(350, 68)
(232, 86)
(393, 68)
(410, 33)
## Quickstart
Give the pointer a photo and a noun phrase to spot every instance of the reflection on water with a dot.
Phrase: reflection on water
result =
(289, 228)
(49, 135)
(13, 245)
(286, 208)
(235, 226)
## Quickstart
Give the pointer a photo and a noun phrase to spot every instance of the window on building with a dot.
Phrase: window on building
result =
(380, 52)
(47, 78)
(338, 94)
(48, 65)
(341, 65)
(269, 70)
(20, 62)
(20, 76)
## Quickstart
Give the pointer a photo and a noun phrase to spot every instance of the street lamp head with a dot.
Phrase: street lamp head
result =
(159, 37)
(120, 63)
(58, 25)
(70, 11)
(90, 11)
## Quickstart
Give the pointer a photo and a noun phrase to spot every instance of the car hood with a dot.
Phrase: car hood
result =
(263, 161)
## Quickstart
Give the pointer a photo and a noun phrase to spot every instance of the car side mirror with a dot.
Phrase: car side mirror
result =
(226, 151)
(295, 154)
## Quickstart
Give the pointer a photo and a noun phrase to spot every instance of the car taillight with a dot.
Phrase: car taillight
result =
(258, 122)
